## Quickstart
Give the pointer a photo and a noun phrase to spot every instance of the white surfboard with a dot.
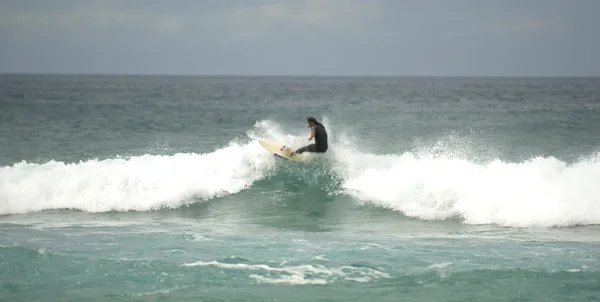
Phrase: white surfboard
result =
(279, 150)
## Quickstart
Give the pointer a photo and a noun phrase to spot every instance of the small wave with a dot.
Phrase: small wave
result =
(139, 183)
(540, 192)
(430, 183)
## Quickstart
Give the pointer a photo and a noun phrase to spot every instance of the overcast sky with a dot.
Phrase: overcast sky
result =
(302, 37)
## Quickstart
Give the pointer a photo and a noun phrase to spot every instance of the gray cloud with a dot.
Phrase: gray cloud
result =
(335, 37)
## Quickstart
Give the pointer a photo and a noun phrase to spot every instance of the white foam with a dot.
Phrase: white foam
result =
(440, 265)
(301, 274)
(164, 291)
(139, 183)
(542, 192)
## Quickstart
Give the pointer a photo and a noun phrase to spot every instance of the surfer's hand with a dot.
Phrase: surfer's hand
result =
(310, 138)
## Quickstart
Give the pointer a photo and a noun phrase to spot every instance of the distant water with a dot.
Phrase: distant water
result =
(133, 188)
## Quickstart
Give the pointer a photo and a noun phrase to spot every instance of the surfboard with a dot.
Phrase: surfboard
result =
(279, 149)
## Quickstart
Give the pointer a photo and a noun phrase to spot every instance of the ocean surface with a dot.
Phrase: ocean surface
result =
(154, 188)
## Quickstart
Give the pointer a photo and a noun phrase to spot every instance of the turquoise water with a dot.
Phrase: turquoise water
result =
(128, 188)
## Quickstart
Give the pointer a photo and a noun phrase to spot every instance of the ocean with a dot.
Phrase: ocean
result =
(154, 188)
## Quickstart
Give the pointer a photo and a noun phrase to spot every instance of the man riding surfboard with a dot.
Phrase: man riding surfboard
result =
(318, 133)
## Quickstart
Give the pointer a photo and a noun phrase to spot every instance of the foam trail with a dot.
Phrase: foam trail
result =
(542, 192)
(301, 274)
(139, 183)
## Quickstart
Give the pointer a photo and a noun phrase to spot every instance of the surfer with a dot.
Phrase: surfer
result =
(318, 133)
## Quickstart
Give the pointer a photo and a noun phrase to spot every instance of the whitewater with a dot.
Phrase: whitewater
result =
(538, 192)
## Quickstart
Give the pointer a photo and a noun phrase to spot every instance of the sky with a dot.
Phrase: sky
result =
(302, 37)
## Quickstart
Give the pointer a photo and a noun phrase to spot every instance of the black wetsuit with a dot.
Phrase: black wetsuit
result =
(320, 145)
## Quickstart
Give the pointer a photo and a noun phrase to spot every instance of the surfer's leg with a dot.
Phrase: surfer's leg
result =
(309, 148)
(299, 151)
(321, 149)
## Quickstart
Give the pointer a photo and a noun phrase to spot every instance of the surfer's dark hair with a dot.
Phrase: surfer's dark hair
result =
(312, 119)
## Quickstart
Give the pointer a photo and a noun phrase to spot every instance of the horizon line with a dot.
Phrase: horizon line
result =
(294, 75)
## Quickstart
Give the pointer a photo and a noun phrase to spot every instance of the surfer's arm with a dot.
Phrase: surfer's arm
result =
(312, 134)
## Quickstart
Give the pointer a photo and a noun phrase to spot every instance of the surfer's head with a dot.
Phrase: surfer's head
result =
(311, 121)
